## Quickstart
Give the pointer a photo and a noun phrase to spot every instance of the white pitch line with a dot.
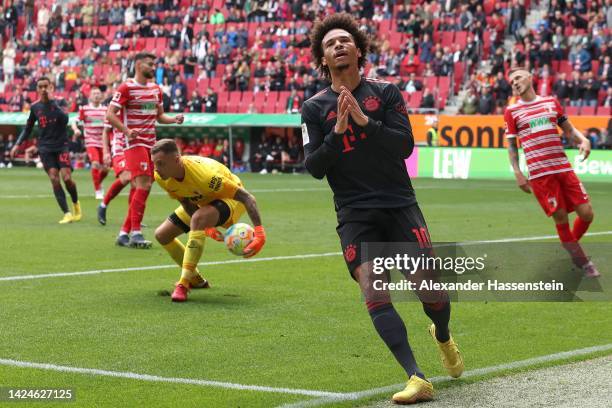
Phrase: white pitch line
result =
(353, 396)
(154, 267)
(173, 380)
(256, 190)
(272, 258)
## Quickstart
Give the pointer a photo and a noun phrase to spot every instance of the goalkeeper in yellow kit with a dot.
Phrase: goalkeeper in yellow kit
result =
(210, 196)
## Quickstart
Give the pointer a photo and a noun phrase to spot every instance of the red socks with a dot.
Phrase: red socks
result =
(112, 192)
(580, 227)
(571, 245)
(137, 207)
(127, 223)
(95, 175)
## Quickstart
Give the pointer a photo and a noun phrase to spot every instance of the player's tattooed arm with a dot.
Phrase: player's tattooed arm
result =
(249, 202)
(521, 180)
(189, 207)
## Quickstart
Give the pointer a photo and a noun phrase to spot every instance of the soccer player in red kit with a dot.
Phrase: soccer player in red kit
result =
(533, 120)
(92, 118)
(140, 103)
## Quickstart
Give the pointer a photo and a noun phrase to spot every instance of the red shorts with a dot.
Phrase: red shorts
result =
(138, 161)
(559, 191)
(95, 154)
(119, 165)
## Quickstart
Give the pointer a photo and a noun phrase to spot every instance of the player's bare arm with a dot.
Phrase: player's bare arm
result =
(75, 129)
(513, 153)
(250, 204)
(584, 144)
(165, 119)
(106, 156)
(113, 119)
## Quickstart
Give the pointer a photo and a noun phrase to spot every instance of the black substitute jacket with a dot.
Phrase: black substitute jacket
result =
(365, 167)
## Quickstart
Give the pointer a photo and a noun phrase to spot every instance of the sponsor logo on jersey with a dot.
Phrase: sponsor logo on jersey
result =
(215, 183)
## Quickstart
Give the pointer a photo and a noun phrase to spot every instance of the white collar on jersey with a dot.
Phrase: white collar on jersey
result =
(537, 99)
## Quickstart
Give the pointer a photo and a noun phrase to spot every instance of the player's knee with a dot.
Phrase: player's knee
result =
(587, 215)
(161, 236)
(203, 218)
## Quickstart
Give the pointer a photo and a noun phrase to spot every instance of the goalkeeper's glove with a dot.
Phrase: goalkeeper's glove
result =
(258, 242)
(214, 233)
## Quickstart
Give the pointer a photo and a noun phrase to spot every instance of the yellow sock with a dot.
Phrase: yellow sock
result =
(193, 253)
(176, 250)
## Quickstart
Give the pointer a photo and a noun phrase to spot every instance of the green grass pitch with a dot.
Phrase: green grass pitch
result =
(292, 323)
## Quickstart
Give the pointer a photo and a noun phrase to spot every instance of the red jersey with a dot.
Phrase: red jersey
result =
(535, 124)
(139, 104)
(92, 119)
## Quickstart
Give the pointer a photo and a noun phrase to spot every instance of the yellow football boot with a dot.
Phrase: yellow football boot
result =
(67, 219)
(449, 353)
(417, 390)
(76, 211)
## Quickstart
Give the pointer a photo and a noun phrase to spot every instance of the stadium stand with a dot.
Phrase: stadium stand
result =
(252, 54)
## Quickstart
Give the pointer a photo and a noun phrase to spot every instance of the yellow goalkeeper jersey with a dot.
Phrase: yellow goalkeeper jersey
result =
(205, 180)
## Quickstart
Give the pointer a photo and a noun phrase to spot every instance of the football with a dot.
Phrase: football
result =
(238, 236)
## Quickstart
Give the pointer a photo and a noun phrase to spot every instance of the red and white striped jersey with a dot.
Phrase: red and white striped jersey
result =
(139, 105)
(92, 118)
(535, 124)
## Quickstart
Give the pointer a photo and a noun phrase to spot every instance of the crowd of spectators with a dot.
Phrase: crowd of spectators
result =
(569, 53)
(262, 46)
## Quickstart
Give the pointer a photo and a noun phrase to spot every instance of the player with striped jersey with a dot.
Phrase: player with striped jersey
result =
(533, 121)
(91, 117)
(139, 104)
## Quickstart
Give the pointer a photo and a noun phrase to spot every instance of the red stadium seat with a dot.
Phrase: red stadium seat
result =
(604, 111)
(447, 38)
(415, 99)
(233, 103)
(587, 111)
(431, 83)
(461, 38)
(572, 110)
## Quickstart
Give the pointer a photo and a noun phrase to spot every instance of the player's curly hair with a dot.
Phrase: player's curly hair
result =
(341, 21)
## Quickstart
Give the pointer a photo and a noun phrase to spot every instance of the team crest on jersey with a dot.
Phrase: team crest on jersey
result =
(552, 202)
(331, 115)
(144, 166)
(350, 252)
(372, 103)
